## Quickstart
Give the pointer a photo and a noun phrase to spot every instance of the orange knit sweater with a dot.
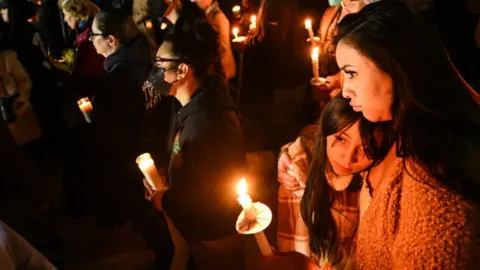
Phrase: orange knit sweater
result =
(417, 224)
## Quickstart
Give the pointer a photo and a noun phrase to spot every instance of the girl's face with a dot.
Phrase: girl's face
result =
(345, 151)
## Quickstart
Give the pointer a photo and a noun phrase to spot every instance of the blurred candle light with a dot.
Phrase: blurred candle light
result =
(253, 22)
(149, 24)
(308, 26)
(235, 32)
(236, 9)
(86, 107)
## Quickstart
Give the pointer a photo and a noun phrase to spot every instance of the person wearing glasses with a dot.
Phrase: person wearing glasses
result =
(118, 124)
(206, 154)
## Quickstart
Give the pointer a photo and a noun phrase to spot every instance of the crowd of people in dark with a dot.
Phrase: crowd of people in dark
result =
(368, 110)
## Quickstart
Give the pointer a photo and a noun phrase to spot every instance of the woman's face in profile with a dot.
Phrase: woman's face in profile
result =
(345, 151)
(70, 19)
(369, 89)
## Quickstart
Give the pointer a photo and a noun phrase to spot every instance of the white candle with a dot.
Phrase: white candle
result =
(253, 22)
(147, 166)
(263, 244)
(235, 32)
(245, 201)
(250, 215)
(86, 107)
(315, 53)
(308, 26)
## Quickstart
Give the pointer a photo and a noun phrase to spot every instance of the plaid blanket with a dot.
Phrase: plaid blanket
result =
(292, 234)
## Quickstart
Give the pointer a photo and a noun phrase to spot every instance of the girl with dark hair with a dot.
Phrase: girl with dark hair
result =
(422, 200)
(344, 146)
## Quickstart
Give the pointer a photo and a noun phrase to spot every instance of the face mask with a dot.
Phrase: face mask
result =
(334, 2)
(157, 80)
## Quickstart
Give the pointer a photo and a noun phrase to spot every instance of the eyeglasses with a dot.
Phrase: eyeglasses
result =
(92, 35)
(158, 60)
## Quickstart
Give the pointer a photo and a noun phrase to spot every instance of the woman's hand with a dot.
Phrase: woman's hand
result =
(288, 181)
(287, 261)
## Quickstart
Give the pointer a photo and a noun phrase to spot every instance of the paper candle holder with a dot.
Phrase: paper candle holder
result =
(263, 219)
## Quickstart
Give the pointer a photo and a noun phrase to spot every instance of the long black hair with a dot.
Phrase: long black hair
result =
(318, 197)
(437, 121)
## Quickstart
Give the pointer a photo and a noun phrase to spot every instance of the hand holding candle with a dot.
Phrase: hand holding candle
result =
(256, 217)
(147, 166)
(86, 107)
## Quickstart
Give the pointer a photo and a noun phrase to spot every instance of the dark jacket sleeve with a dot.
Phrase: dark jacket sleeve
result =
(202, 202)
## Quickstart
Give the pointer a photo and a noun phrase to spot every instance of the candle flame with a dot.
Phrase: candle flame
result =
(308, 24)
(148, 24)
(235, 31)
(163, 26)
(242, 187)
(253, 19)
(236, 9)
(315, 52)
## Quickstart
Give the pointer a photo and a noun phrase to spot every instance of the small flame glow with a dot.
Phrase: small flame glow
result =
(242, 187)
(236, 9)
(308, 24)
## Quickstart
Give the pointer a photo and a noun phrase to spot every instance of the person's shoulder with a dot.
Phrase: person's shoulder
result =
(427, 192)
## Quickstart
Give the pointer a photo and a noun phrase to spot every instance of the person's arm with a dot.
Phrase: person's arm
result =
(17, 253)
(202, 202)
(22, 80)
(227, 59)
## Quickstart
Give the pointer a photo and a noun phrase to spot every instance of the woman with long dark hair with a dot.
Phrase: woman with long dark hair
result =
(343, 146)
(421, 201)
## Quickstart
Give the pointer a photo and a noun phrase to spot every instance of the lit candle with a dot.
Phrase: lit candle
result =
(245, 201)
(251, 216)
(308, 26)
(253, 22)
(236, 9)
(315, 53)
(86, 107)
(235, 32)
(149, 24)
(147, 166)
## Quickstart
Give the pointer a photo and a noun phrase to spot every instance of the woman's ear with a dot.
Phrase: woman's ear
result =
(182, 71)
(112, 41)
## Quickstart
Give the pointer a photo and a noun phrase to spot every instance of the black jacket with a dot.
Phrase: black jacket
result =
(207, 159)
(119, 106)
